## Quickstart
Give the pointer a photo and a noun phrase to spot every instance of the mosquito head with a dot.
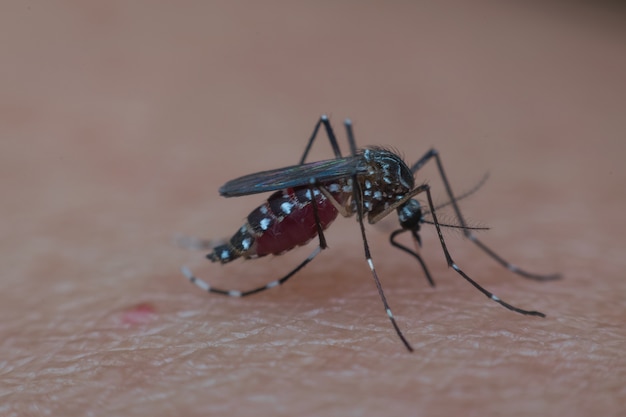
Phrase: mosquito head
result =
(410, 215)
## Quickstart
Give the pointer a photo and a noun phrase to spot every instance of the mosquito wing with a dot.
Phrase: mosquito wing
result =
(293, 176)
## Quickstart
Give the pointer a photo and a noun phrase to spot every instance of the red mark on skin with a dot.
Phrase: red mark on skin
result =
(142, 313)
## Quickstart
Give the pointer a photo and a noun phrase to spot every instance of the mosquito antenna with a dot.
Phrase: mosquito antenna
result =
(464, 195)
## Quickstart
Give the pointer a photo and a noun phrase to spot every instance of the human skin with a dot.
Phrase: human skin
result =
(119, 124)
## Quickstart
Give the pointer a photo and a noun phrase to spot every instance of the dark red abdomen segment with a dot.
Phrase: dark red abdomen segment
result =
(299, 226)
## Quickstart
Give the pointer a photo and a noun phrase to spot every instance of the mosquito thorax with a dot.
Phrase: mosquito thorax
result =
(387, 178)
(388, 171)
(410, 215)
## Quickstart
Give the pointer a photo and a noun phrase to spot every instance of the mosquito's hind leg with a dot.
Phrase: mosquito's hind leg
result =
(236, 293)
(241, 245)
(334, 143)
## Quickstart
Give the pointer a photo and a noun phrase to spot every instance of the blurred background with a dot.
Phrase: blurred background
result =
(119, 121)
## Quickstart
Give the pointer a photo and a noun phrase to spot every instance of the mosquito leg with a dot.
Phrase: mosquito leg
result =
(454, 266)
(348, 124)
(466, 231)
(329, 133)
(203, 285)
(395, 243)
(318, 223)
(368, 258)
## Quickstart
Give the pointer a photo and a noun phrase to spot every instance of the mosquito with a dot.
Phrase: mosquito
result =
(369, 183)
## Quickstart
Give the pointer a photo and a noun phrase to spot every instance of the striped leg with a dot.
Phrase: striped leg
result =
(454, 266)
(235, 293)
(370, 262)
(466, 230)
(334, 143)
